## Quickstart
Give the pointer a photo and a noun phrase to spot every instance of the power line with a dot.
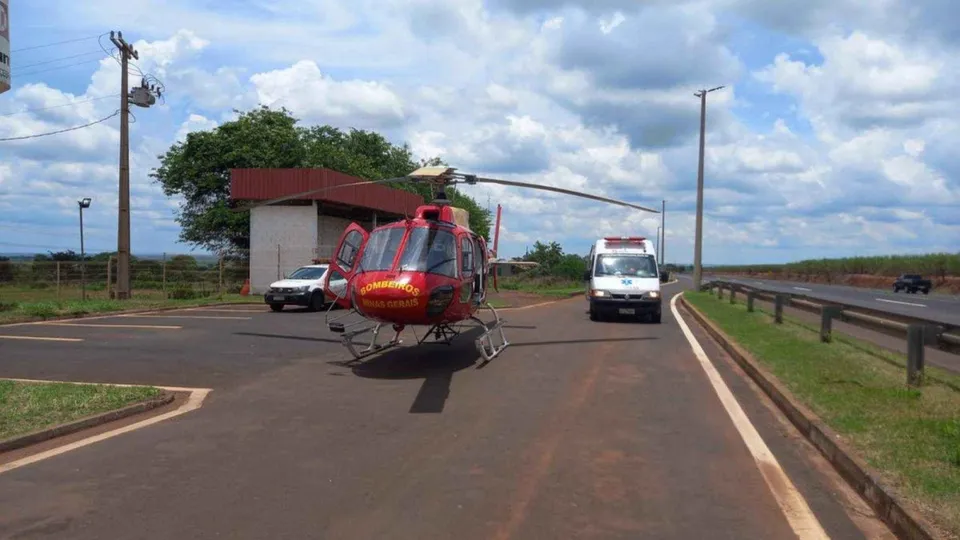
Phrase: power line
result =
(104, 119)
(59, 106)
(45, 62)
(55, 68)
(56, 43)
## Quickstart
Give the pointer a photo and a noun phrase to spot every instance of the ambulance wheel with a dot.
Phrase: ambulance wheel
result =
(276, 307)
(655, 318)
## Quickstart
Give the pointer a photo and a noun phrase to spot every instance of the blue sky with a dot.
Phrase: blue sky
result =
(835, 134)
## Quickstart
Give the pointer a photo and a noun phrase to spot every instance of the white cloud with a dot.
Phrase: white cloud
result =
(838, 140)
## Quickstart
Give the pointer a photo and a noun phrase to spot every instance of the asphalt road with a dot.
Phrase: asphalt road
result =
(936, 307)
(578, 430)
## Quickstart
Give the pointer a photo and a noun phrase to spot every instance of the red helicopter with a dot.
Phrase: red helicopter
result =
(429, 270)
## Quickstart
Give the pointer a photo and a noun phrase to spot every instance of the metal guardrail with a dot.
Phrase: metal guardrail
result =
(918, 332)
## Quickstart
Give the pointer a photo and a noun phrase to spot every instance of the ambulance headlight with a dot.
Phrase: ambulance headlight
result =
(653, 294)
(598, 293)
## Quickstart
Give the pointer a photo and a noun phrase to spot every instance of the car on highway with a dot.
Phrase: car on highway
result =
(912, 283)
(304, 287)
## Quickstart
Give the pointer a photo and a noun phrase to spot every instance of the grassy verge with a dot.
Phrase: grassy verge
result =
(26, 407)
(911, 436)
(544, 287)
(34, 311)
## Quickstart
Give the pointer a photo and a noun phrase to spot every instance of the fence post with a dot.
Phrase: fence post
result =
(778, 308)
(750, 296)
(826, 322)
(163, 274)
(720, 292)
(733, 295)
(110, 277)
(915, 352)
(221, 277)
(58, 282)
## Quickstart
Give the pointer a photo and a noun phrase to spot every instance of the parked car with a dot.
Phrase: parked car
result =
(304, 287)
(912, 283)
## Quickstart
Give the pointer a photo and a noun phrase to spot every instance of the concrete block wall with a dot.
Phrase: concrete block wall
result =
(293, 228)
(329, 230)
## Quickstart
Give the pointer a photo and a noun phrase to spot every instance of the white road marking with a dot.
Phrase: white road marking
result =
(194, 401)
(791, 502)
(186, 317)
(899, 302)
(141, 326)
(803, 289)
(39, 338)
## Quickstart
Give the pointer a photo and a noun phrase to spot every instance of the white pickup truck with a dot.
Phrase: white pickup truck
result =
(304, 287)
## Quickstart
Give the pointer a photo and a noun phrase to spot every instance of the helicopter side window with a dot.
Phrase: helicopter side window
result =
(348, 253)
(381, 249)
(466, 264)
(431, 250)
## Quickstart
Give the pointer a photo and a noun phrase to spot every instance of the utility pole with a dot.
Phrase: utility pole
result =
(83, 203)
(663, 231)
(698, 241)
(123, 214)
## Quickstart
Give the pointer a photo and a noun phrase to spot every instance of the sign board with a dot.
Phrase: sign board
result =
(4, 46)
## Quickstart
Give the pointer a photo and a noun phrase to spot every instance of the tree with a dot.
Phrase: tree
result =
(198, 169)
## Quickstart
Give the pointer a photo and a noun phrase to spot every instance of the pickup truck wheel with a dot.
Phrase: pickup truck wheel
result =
(926, 291)
(896, 289)
(276, 307)
(316, 301)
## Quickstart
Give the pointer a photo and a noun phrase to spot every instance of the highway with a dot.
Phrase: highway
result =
(935, 307)
(580, 429)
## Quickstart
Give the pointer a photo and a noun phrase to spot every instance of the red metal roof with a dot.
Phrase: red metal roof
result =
(264, 184)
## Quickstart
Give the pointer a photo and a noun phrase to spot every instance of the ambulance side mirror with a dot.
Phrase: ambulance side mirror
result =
(586, 275)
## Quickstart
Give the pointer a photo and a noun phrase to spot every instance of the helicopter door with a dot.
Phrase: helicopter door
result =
(345, 264)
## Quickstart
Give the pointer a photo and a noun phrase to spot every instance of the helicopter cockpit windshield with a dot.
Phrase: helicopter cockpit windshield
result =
(431, 250)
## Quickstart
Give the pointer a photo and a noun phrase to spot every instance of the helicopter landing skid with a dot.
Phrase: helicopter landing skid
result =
(486, 345)
(373, 347)
(347, 337)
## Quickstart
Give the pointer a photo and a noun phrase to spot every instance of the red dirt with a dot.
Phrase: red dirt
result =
(948, 285)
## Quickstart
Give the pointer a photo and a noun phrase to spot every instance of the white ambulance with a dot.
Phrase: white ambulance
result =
(623, 279)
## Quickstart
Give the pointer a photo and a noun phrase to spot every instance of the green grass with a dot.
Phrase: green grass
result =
(933, 265)
(26, 407)
(543, 286)
(40, 310)
(912, 436)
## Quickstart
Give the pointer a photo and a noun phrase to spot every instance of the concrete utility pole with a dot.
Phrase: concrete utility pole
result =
(123, 215)
(141, 96)
(698, 241)
(663, 232)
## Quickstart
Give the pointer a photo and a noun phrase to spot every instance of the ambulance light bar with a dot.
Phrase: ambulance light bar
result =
(625, 239)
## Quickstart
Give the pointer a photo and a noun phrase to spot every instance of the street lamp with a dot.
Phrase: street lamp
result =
(83, 203)
(698, 241)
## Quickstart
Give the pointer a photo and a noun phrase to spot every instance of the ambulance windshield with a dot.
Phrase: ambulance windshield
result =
(626, 265)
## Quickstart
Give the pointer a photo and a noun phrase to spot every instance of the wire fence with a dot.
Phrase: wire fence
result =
(178, 277)
(173, 276)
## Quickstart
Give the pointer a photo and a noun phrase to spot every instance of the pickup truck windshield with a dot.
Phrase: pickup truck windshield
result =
(626, 265)
(308, 273)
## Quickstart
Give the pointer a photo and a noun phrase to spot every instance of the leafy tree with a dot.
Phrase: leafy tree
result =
(6, 270)
(198, 169)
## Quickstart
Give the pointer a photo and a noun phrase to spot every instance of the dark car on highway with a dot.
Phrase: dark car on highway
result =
(912, 283)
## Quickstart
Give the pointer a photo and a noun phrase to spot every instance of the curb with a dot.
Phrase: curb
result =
(42, 435)
(106, 314)
(905, 522)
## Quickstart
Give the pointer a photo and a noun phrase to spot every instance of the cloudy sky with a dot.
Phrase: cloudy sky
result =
(835, 135)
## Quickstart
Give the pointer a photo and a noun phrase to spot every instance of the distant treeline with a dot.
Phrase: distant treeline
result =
(934, 265)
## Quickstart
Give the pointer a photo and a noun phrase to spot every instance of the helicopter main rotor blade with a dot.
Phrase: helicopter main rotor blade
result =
(564, 191)
(321, 190)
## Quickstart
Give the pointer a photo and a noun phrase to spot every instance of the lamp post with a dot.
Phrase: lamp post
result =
(698, 240)
(83, 203)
